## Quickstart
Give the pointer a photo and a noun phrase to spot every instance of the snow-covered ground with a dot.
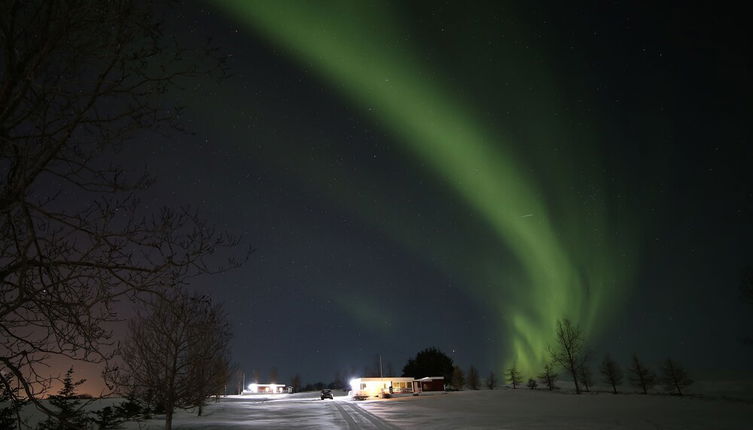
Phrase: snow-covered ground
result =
(526, 409)
(498, 409)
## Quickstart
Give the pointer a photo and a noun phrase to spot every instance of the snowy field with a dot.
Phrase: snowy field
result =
(498, 409)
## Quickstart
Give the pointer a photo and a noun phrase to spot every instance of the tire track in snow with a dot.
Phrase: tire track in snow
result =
(356, 413)
(346, 416)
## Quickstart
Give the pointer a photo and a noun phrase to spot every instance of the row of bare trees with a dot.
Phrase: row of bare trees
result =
(673, 376)
(80, 80)
(569, 354)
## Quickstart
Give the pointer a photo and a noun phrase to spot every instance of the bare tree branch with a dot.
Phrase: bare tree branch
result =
(78, 79)
(176, 356)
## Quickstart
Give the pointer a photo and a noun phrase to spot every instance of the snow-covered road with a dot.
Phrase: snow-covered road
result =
(305, 411)
(358, 418)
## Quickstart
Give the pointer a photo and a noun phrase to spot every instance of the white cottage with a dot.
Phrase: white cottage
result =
(376, 387)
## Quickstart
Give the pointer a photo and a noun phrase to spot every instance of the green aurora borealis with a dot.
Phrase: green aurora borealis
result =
(568, 261)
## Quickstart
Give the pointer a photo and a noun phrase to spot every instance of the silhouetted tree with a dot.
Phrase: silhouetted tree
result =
(513, 376)
(132, 408)
(69, 413)
(567, 353)
(611, 372)
(10, 402)
(211, 376)
(491, 381)
(674, 377)
(273, 375)
(585, 376)
(640, 375)
(108, 418)
(429, 362)
(473, 378)
(458, 378)
(8, 415)
(532, 384)
(176, 353)
(296, 383)
(337, 383)
(78, 81)
(236, 379)
(548, 377)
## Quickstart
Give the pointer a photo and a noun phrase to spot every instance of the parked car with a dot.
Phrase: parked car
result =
(327, 394)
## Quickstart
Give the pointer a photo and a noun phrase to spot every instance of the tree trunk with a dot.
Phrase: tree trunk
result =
(169, 418)
(574, 372)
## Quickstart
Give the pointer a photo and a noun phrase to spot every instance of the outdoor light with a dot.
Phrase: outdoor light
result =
(354, 384)
(253, 387)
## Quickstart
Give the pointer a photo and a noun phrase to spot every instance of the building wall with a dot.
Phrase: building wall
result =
(374, 387)
(433, 385)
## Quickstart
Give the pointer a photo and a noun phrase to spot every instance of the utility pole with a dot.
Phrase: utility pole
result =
(380, 366)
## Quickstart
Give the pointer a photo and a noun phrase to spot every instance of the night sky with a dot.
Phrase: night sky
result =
(415, 174)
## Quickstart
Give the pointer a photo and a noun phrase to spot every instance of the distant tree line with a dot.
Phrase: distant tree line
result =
(568, 354)
(71, 411)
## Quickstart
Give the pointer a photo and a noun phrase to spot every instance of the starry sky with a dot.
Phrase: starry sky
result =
(415, 174)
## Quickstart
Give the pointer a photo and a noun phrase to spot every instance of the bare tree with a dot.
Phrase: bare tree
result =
(235, 381)
(675, 377)
(513, 376)
(585, 376)
(491, 381)
(177, 355)
(640, 375)
(78, 80)
(611, 372)
(389, 369)
(211, 369)
(473, 378)
(338, 381)
(458, 378)
(569, 348)
(296, 383)
(548, 377)
(532, 384)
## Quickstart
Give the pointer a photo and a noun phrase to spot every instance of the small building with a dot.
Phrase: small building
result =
(377, 387)
(268, 389)
(429, 383)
